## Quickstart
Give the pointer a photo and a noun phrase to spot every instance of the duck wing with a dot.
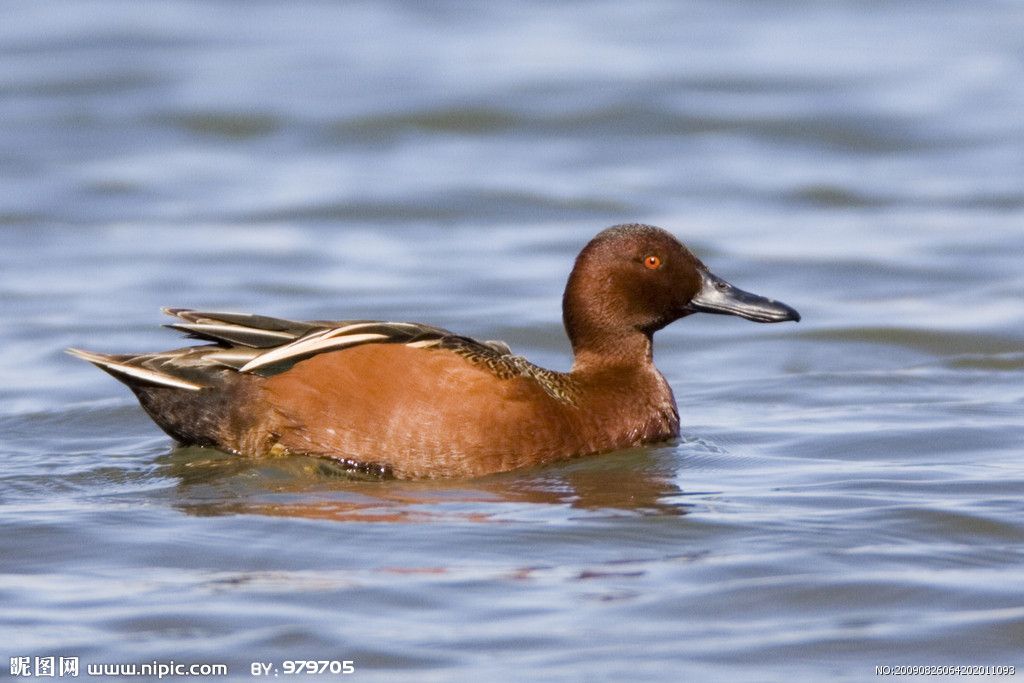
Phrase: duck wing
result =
(267, 346)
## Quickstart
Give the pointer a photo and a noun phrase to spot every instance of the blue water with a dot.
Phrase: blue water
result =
(846, 493)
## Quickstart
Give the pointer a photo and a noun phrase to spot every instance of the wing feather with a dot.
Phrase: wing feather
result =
(267, 346)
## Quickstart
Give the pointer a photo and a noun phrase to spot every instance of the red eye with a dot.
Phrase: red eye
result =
(652, 262)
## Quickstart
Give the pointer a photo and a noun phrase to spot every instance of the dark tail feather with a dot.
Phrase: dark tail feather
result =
(124, 370)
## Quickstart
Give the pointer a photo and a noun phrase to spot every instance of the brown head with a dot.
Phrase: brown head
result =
(632, 280)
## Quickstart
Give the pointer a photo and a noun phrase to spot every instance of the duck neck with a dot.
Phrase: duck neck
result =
(632, 350)
(602, 334)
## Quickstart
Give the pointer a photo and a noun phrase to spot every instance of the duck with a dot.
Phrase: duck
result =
(409, 400)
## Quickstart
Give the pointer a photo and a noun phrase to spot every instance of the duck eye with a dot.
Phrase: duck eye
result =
(652, 262)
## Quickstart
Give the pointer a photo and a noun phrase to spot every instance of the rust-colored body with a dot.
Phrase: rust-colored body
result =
(430, 413)
(414, 401)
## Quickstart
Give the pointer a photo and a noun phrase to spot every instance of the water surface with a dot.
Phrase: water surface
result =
(846, 492)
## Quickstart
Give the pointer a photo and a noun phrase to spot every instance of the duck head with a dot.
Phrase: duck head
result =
(632, 280)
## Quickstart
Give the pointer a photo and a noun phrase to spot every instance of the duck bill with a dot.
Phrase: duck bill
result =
(718, 296)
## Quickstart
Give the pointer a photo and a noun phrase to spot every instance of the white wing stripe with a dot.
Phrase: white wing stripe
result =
(307, 346)
(233, 329)
(347, 329)
(424, 344)
(154, 377)
(230, 356)
(338, 331)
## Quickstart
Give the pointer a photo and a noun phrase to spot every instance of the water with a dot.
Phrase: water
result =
(847, 491)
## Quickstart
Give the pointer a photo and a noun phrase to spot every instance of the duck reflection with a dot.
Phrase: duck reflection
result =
(211, 482)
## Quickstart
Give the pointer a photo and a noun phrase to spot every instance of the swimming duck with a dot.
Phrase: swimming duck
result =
(408, 400)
